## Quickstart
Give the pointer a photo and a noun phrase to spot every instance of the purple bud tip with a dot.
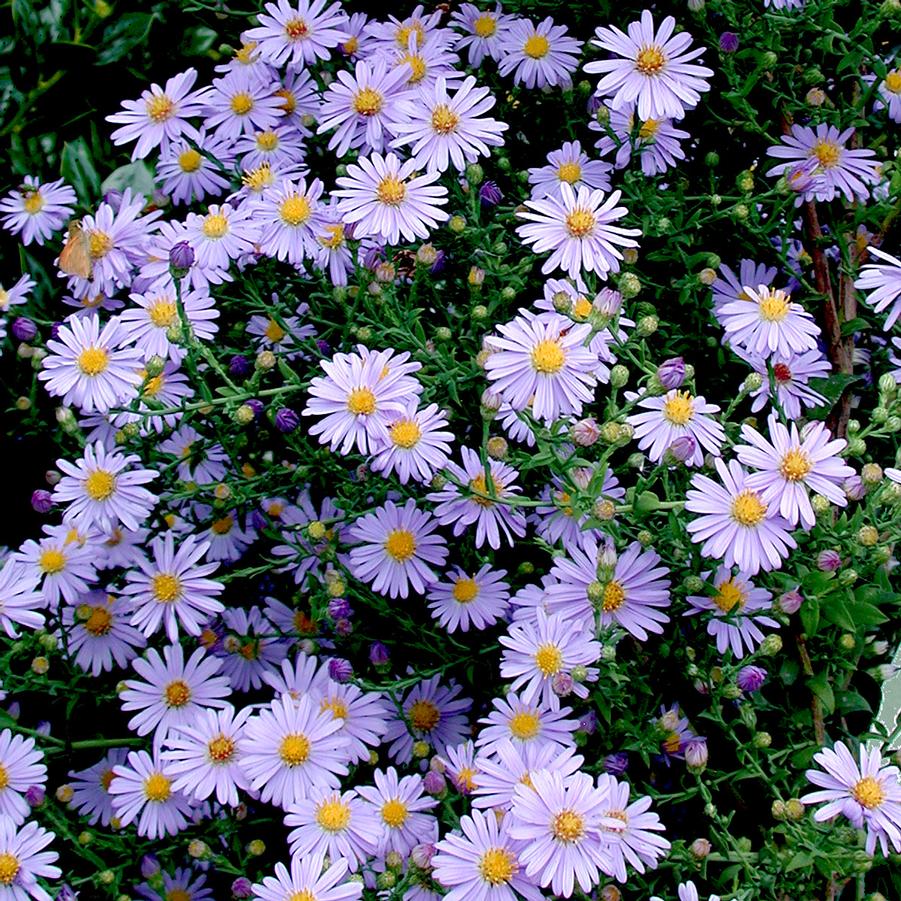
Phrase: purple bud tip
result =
(791, 601)
(434, 783)
(828, 561)
(339, 608)
(490, 194)
(728, 42)
(24, 329)
(35, 795)
(41, 501)
(240, 367)
(344, 627)
(242, 887)
(286, 420)
(181, 256)
(751, 678)
(150, 866)
(340, 670)
(255, 405)
(562, 685)
(683, 448)
(324, 347)
(378, 654)
(616, 764)
(671, 373)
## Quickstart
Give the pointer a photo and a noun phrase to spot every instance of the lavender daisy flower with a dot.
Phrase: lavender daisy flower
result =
(334, 824)
(890, 94)
(791, 375)
(432, 713)
(200, 462)
(359, 396)
(279, 148)
(478, 600)
(308, 878)
(736, 606)
(483, 862)
(729, 287)
(89, 367)
(65, 567)
(539, 56)
(185, 883)
(249, 649)
(24, 860)
(21, 765)
(883, 284)
(424, 61)
(525, 725)
(483, 32)
(288, 216)
(418, 445)
(19, 601)
(160, 116)
(735, 524)
(361, 105)
(791, 464)
(37, 211)
(292, 748)
(16, 294)
(142, 790)
(578, 229)
(538, 650)
(867, 792)
(300, 34)
(203, 755)
(396, 33)
(629, 831)
(687, 890)
(381, 196)
(768, 323)
(241, 103)
(100, 490)
(223, 234)
(99, 633)
(174, 692)
(399, 805)
(171, 589)
(396, 549)
(675, 415)
(442, 128)
(836, 168)
(190, 173)
(560, 819)
(542, 359)
(90, 788)
(629, 598)
(653, 68)
(656, 142)
(569, 165)
(477, 496)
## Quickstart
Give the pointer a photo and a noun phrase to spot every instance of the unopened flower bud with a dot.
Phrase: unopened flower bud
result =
(671, 373)
(771, 645)
(828, 561)
(854, 487)
(562, 685)
(751, 678)
(497, 448)
(700, 848)
(753, 382)
(286, 420)
(256, 847)
(422, 855)
(457, 224)
(41, 501)
(265, 360)
(181, 258)
(696, 754)
(619, 376)
(421, 749)
(434, 783)
(871, 474)
(242, 888)
(646, 326)
(868, 536)
(681, 450)
(585, 432)
(707, 276)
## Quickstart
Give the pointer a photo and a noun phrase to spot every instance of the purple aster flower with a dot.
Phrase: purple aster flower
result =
(736, 606)
(191, 171)
(399, 806)
(443, 129)
(308, 878)
(490, 194)
(37, 211)
(651, 66)
(286, 420)
(418, 444)
(100, 635)
(19, 600)
(792, 464)
(671, 373)
(241, 103)
(525, 724)
(578, 229)
(735, 524)
(477, 496)
(460, 600)
(289, 219)
(22, 852)
(483, 32)
(396, 549)
(866, 791)
(791, 375)
(382, 197)
(616, 764)
(882, 282)
(41, 501)
(729, 286)
(655, 141)
(572, 166)
(340, 670)
(828, 561)
(539, 56)
(23, 329)
(839, 170)
(299, 34)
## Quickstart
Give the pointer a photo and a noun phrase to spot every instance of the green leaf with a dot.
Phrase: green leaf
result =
(799, 861)
(123, 36)
(137, 175)
(77, 167)
(810, 615)
(855, 325)
(819, 685)
(832, 389)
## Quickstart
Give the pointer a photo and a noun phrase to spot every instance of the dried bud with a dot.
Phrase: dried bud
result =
(871, 474)
(497, 448)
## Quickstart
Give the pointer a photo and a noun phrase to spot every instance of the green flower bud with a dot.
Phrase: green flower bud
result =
(619, 376)
(848, 576)
(740, 212)
(479, 313)
(443, 333)
(712, 159)
(857, 447)
(745, 181)
(868, 536)
(893, 424)
(155, 366)
(879, 415)
(771, 645)
(887, 384)
(646, 326)
(645, 538)
(508, 294)
(794, 809)
(475, 174)
(457, 224)
(753, 382)
(853, 426)
(693, 584)
(847, 642)
(629, 285)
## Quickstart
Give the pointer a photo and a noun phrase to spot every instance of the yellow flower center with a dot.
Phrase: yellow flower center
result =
(296, 29)
(4, 777)
(466, 590)
(99, 485)
(582, 308)
(795, 465)
(106, 779)
(536, 46)
(303, 895)
(223, 526)
(400, 545)
(614, 596)
(480, 484)
(221, 749)
(258, 179)
(391, 190)
(93, 360)
(160, 108)
(33, 202)
(153, 386)
(241, 103)
(828, 153)
(417, 64)
(267, 140)
(650, 60)
(580, 223)
(294, 749)
(569, 172)
(336, 707)
(525, 725)
(548, 357)
(368, 102)
(157, 788)
(162, 314)
(485, 25)
(893, 81)
(189, 160)
(548, 659)
(361, 401)
(351, 45)
(333, 238)
(99, 244)
(52, 561)
(245, 53)
(568, 826)
(177, 693)
(165, 587)
(679, 409)
(774, 307)
(274, 332)
(405, 434)
(868, 793)
(99, 623)
(497, 866)
(729, 596)
(424, 715)
(394, 813)
(333, 816)
(444, 119)
(748, 509)
(9, 868)
(649, 129)
(402, 35)
(178, 894)
(295, 210)
(215, 225)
